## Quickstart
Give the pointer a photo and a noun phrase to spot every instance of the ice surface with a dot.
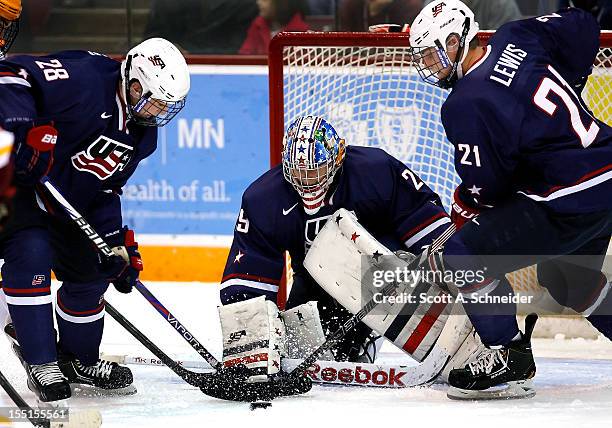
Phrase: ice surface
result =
(573, 390)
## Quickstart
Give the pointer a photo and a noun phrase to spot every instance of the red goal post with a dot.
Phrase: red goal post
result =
(365, 84)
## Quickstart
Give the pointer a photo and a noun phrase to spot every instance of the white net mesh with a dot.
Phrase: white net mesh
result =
(373, 97)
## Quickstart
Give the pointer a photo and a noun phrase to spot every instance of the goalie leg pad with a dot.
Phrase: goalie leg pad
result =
(304, 331)
(253, 335)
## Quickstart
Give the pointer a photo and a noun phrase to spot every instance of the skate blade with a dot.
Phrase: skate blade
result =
(507, 391)
(57, 404)
(83, 419)
(83, 390)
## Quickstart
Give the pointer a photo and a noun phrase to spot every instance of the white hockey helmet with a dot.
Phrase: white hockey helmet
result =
(429, 35)
(162, 71)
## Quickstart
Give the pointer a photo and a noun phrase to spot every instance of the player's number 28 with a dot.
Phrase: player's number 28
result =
(53, 70)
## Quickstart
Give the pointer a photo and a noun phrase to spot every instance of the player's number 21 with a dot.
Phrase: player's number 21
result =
(540, 98)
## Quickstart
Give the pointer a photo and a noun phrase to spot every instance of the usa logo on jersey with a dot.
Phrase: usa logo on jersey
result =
(103, 157)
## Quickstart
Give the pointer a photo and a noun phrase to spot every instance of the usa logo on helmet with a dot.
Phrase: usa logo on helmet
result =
(103, 157)
(437, 9)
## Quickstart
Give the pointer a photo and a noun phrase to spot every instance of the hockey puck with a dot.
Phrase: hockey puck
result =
(260, 405)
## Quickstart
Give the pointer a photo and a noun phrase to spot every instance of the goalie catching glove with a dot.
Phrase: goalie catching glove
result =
(254, 340)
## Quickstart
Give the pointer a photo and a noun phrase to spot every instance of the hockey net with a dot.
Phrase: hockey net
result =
(365, 85)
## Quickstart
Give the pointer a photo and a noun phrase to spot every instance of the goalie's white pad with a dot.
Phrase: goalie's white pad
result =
(304, 331)
(343, 266)
(253, 335)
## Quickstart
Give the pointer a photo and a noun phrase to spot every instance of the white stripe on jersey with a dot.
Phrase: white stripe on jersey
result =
(426, 231)
(78, 320)
(28, 300)
(571, 189)
(121, 119)
(10, 80)
(251, 284)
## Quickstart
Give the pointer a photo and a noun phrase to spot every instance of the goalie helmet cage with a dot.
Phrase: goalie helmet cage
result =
(365, 85)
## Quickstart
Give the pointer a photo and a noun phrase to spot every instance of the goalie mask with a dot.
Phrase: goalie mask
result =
(10, 11)
(155, 81)
(432, 45)
(312, 155)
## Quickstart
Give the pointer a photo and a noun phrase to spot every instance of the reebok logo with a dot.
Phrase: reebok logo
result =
(359, 376)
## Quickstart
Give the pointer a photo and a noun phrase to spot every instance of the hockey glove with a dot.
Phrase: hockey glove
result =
(125, 266)
(463, 211)
(34, 152)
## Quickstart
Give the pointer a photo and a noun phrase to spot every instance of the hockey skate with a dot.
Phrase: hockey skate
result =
(102, 378)
(46, 381)
(498, 373)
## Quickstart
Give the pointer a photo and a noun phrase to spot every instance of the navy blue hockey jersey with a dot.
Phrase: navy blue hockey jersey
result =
(519, 125)
(97, 149)
(389, 200)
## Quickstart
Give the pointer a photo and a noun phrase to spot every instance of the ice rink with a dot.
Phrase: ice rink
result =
(574, 382)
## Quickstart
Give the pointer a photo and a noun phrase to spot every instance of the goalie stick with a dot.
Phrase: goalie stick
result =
(86, 419)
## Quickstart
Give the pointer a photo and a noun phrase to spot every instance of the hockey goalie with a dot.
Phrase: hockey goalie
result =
(376, 205)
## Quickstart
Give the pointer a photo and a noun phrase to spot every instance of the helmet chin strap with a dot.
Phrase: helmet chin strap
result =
(457, 70)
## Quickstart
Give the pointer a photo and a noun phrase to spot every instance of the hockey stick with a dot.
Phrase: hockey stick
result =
(105, 250)
(87, 419)
(372, 375)
(192, 378)
(180, 328)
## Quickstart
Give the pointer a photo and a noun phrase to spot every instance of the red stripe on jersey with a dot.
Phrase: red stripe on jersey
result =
(424, 326)
(27, 290)
(580, 180)
(251, 278)
(423, 225)
(8, 73)
(71, 312)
